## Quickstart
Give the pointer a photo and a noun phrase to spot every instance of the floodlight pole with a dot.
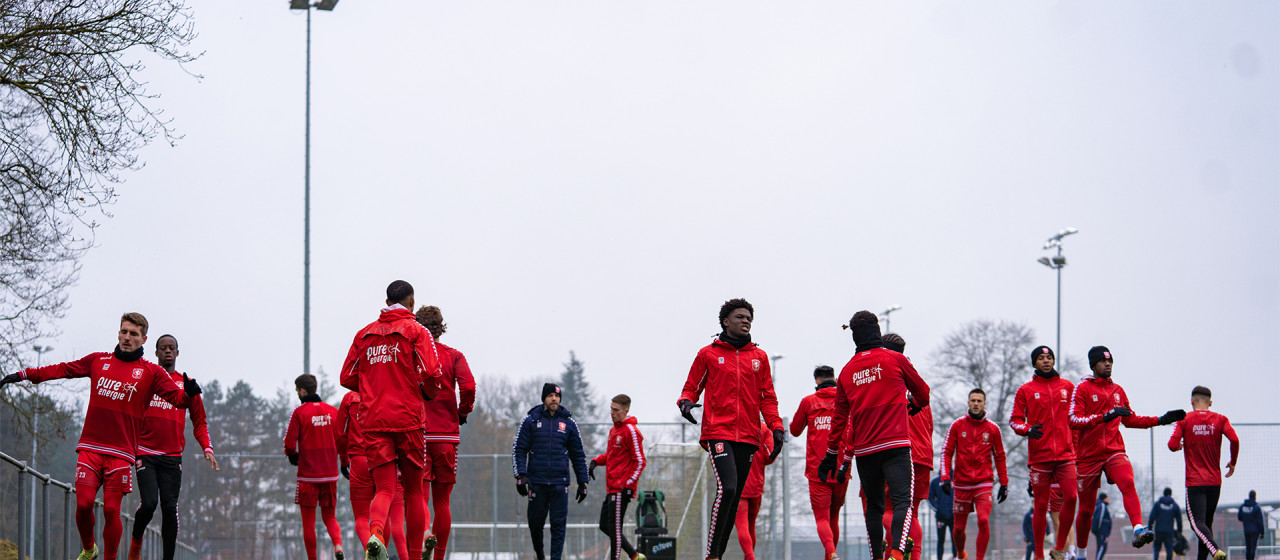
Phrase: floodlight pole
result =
(1058, 342)
(306, 236)
(1057, 263)
(886, 315)
(35, 429)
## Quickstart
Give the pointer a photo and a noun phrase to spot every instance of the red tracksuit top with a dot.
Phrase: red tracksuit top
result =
(443, 411)
(391, 363)
(755, 478)
(623, 459)
(739, 390)
(1048, 402)
(920, 431)
(814, 414)
(313, 435)
(871, 397)
(120, 394)
(973, 444)
(1092, 399)
(164, 426)
(1199, 435)
(350, 439)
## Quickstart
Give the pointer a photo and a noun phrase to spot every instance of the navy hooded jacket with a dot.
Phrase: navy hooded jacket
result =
(545, 445)
(1101, 519)
(942, 504)
(1165, 515)
(1251, 515)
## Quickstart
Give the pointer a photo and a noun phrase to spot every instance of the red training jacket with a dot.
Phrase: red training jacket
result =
(164, 425)
(392, 363)
(755, 479)
(739, 390)
(313, 435)
(973, 444)
(1092, 399)
(1201, 434)
(445, 411)
(623, 459)
(920, 431)
(871, 395)
(1048, 402)
(350, 438)
(120, 394)
(815, 414)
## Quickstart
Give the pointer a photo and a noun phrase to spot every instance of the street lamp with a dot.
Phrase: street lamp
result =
(326, 5)
(35, 429)
(886, 314)
(1057, 262)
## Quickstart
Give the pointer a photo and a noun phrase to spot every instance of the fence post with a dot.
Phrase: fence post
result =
(44, 523)
(66, 523)
(786, 503)
(493, 530)
(22, 512)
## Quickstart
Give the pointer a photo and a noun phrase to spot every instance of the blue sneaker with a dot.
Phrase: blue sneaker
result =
(1142, 536)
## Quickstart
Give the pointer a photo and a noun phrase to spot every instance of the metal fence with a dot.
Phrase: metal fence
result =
(55, 534)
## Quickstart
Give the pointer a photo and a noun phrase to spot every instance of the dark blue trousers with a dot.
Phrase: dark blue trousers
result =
(553, 499)
(1164, 539)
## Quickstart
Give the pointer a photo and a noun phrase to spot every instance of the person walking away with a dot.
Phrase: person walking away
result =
(1101, 527)
(159, 463)
(1251, 516)
(943, 513)
(825, 498)
(547, 447)
(354, 466)
(876, 393)
(1199, 437)
(1041, 413)
(444, 414)
(921, 435)
(973, 444)
(624, 461)
(734, 373)
(311, 444)
(1166, 521)
(749, 506)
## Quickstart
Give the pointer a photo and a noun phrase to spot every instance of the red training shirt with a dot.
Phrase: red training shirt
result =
(393, 364)
(1092, 399)
(814, 414)
(1199, 435)
(455, 400)
(623, 459)
(164, 426)
(739, 391)
(1045, 401)
(970, 446)
(120, 394)
(313, 435)
(350, 439)
(871, 395)
(755, 478)
(920, 431)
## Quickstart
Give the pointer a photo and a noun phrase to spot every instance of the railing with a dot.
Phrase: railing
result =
(151, 549)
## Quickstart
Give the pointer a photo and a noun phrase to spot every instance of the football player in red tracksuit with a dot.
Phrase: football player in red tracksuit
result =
(734, 372)
(1200, 435)
(159, 464)
(1096, 404)
(1041, 412)
(876, 392)
(392, 363)
(122, 385)
(444, 415)
(749, 504)
(826, 498)
(973, 442)
(920, 427)
(311, 444)
(355, 467)
(623, 460)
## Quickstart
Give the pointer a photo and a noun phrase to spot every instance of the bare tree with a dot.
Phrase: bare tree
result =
(73, 115)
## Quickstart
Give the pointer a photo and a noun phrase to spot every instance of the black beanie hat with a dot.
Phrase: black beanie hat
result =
(1041, 350)
(1097, 354)
(549, 388)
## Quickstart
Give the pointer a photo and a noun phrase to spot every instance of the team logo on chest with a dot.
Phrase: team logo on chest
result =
(1095, 398)
(1064, 393)
(1116, 397)
(619, 440)
(137, 373)
(562, 426)
(755, 365)
(720, 360)
(964, 434)
(986, 438)
(1037, 395)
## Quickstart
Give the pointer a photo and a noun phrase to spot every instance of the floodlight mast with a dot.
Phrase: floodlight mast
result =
(326, 5)
(886, 313)
(1057, 262)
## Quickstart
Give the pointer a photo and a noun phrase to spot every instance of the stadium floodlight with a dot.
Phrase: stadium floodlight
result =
(1057, 262)
(299, 4)
(326, 5)
(886, 313)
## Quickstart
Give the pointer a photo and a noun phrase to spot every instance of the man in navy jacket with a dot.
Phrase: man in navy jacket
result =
(1101, 524)
(1166, 521)
(943, 514)
(548, 440)
(1251, 516)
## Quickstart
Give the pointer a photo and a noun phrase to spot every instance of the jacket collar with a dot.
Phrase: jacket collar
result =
(394, 313)
(726, 345)
(627, 420)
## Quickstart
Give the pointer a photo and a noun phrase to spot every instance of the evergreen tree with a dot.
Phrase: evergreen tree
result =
(578, 396)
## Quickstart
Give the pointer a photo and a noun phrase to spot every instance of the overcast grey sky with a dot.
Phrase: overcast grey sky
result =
(600, 176)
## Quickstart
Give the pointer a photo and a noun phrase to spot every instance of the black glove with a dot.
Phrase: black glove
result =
(462, 418)
(843, 474)
(686, 409)
(912, 409)
(591, 469)
(1036, 431)
(190, 387)
(293, 459)
(522, 484)
(1172, 416)
(946, 487)
(582, 492)
(778, 438)
(629, 493)
(1002, 494)
(1029, 491)
(1116, 412)
(346, 472)
(828, 465)
(11, 378)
